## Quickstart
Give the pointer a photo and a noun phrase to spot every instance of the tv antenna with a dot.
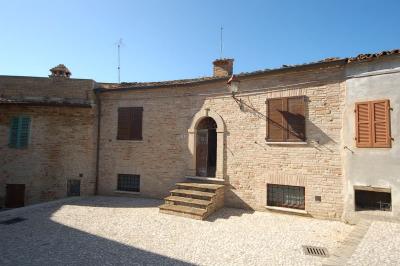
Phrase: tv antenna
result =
(221, 41)
(119, 44)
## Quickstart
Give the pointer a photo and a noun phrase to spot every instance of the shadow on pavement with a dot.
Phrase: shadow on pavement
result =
(42, 241)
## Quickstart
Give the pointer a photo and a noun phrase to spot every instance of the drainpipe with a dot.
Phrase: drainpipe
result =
(98, 100)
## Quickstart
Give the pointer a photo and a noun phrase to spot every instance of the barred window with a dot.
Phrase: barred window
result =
(285, 196)
(128, 183)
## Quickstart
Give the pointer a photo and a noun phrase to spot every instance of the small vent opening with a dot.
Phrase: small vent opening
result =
(315, 251)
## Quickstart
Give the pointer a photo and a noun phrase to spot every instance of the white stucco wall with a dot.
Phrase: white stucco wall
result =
(376, 167)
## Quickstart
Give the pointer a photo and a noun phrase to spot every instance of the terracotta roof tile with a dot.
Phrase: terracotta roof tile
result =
(363, 57)
(201, 80)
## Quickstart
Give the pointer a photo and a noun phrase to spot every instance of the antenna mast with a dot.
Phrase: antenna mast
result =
(221, 42)
(119, 43)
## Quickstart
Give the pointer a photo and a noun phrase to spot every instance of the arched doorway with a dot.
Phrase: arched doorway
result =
(206, 147)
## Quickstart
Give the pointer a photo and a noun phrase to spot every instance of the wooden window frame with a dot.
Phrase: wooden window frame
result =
(371, 121)
(285, 124)
(134, 129)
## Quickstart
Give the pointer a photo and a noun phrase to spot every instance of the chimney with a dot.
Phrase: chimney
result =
(60, 71)
(223, 67)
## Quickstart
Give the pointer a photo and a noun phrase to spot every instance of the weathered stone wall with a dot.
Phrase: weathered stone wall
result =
(249, 163)
(62, 139)
(61, 147)
(37, 87)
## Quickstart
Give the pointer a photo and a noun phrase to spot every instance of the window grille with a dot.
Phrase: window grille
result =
(128, 183)
(285, 196)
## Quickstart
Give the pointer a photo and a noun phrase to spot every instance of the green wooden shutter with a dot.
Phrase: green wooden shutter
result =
(24, 131)
(19, 132)
(13, 132)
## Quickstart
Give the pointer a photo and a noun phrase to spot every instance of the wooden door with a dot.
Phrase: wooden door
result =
(202, 152)
(212, 152)
(73, 187)
(15, 195)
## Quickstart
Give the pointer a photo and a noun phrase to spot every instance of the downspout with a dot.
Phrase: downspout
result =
(98, 100)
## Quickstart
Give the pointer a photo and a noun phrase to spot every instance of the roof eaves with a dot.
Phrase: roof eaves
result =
(5, 101)
(328, 62)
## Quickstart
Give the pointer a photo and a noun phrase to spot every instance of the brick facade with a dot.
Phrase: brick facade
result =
(64, 132)
(62, 141)
(163, 157)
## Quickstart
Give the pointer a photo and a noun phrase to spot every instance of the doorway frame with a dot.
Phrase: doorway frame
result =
(192, 136)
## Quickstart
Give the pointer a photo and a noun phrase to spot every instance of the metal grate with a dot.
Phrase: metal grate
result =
(285, 196)
(13, 221)
(128, 182)
(315, 251)
(73, 187)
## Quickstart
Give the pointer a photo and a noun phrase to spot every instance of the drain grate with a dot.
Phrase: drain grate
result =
(315, 251)
(13, 221)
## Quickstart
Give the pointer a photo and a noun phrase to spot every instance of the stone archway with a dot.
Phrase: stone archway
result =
(192, 134)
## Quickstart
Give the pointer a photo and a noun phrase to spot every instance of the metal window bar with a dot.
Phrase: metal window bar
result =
(128, 183)
(285, 196)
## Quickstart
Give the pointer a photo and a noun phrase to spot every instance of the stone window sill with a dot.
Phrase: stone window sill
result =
(286, 143)
(205, 178)
(282, 209)
(130, 140)
(126, 192)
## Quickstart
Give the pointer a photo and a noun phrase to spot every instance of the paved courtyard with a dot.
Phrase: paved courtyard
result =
(131, 231)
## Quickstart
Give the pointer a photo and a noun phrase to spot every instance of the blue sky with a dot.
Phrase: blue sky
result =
(177, 39)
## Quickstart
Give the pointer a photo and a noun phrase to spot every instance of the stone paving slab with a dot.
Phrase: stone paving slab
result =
(131, 231)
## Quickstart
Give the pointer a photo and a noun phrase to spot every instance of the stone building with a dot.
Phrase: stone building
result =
(371, 153)
(271, 140)
(245, 160)
(47, 137)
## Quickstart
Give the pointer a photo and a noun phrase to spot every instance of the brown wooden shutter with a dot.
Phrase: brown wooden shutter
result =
(286, 119)
(373, 124)
(295, 118)
(136, 129)
(130, 123)
(380, 124)
(124, 121)
(363, 125)
(275, 122)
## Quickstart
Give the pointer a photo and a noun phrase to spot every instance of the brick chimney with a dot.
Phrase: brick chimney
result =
(223, 67)
(60, 71)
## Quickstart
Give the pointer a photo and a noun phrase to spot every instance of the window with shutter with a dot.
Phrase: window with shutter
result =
(286, 119)
(130, 123)
(19, 132)
(373, 124)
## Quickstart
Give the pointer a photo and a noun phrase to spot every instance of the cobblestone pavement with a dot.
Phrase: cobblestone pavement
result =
(131, 231)
(379, 246)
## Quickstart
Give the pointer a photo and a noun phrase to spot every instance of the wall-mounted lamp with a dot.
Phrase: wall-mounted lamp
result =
(233, 84)
(233, 87)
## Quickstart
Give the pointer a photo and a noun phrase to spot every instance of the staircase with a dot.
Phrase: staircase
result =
(194, 200)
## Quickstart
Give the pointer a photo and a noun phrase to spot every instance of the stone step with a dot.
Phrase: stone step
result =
(200, 185)
(195, 200)
(192, 193)
(199, 202)
(195, 213)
